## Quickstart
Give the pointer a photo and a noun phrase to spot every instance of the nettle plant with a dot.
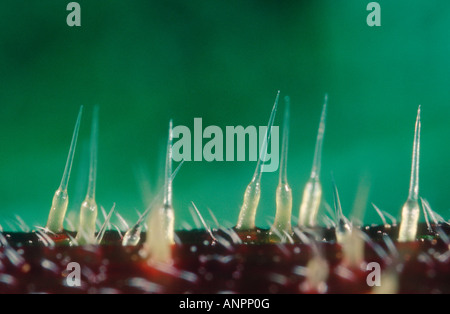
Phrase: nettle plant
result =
(322, 252)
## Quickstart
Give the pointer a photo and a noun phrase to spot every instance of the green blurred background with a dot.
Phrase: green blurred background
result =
(145, 62)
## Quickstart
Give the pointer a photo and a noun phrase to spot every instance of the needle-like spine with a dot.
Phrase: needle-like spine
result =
(282, 224)
(161, 221)
(411, 208)
(61, 198)
(247, 215)
(343, 225)
(89, 208)
(312, 194)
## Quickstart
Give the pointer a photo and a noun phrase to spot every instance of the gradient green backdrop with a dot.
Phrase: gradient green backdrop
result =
(145, 62)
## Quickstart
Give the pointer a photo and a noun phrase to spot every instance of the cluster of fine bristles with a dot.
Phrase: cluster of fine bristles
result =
(159, 217)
